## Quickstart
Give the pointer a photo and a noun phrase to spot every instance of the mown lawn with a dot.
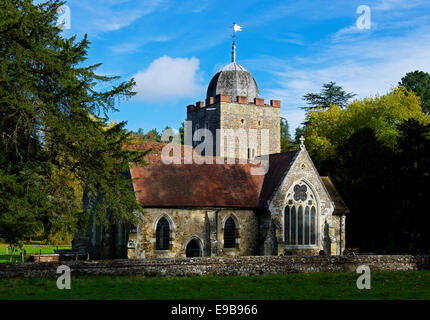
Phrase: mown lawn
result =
(30, 249)
(385, 285)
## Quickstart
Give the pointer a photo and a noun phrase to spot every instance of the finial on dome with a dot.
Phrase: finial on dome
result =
(233, 47)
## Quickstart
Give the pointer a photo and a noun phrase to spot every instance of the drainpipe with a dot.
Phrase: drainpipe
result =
(216, 231)
(340, 235)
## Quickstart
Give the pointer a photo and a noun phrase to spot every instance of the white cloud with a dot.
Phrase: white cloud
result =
(168, 78)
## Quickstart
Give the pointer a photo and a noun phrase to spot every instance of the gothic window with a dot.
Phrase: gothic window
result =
(162, 241)
(300, 218)
(229, 233)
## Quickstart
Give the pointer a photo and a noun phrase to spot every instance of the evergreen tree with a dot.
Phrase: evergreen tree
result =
(286, 143)
(418, 82)
(54, 130)
(331, 94)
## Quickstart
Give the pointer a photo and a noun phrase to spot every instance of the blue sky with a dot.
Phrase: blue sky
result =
(173, 48)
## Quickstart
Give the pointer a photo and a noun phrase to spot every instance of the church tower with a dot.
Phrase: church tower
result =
(233, 110)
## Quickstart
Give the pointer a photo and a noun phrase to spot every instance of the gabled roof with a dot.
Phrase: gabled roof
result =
(204, 185)
(340, 207)
(212, 185)
(279, 165)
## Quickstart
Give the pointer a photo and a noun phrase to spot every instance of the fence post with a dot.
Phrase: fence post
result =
(7, 250)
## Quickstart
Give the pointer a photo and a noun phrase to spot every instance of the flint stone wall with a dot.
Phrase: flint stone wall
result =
(245, 266)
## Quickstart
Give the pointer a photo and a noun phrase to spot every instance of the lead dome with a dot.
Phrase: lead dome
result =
(233, 80)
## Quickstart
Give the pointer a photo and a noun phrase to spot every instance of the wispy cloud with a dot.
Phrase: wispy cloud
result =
(133, 45)
(368, 67)
(110, 15)
(385, 5)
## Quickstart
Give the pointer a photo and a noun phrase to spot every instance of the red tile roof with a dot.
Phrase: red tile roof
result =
(211, 185)
(204, 185)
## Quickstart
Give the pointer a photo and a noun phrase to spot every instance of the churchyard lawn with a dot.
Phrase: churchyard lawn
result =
(384, 285)
(30, 249)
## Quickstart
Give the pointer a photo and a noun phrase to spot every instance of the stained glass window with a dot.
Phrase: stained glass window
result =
(162, 241)
(313, 223)
(287, 224)
(307, 225)
(300, 226)
(229, 234)
(293, 225)
(300, 217)
(300, 192)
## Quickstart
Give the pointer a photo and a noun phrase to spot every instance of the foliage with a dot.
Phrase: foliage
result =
(54, 133)
(418, 82)
(328, 128)
(331, 94)
(151, 135)
(182, 133)
(376, 153)
(286, 142)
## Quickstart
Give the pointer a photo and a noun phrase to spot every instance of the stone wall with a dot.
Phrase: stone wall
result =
(218, 266)
(206, 225)
(229, 115)
(303, 170)
(250, 116)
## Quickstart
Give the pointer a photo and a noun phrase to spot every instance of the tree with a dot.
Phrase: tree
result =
(182, 133)
(331, 94)
(153, 135)
(328, 128)
(418, 82)
(376, 152)
(412, 186)
(361, 172)
(298, 133)
(54, 129)
(286, 143)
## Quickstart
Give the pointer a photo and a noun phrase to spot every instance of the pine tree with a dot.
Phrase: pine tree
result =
(54, 132)
(331, 94)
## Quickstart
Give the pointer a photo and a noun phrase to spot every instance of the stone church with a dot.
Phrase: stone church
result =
(206, 209)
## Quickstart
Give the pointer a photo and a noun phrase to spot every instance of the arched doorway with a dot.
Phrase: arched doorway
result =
(193, 249)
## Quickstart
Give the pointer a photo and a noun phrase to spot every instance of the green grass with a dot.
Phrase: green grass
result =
(30, 249)
(385, 285)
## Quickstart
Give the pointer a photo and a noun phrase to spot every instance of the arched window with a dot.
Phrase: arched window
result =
(229, 233)
(162, 241)
(300, 219)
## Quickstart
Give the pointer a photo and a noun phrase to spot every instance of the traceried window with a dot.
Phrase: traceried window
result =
(300, 218)
(230, 233)
(162, 241)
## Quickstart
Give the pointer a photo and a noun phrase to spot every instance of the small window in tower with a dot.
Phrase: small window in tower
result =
(242, 121)
(259, 123)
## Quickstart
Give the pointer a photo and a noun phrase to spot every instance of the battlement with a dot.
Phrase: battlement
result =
(226, 98)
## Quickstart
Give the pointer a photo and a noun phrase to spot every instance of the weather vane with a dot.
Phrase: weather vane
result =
(233, 49)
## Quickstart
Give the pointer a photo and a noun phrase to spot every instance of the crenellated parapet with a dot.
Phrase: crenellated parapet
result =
(211, 101)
